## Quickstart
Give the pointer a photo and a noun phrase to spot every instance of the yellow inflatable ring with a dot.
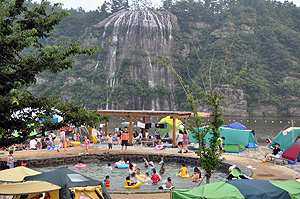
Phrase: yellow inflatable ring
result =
(140, 178)
(76, 143)
(133, 186)
(198, 178)
(181, 176)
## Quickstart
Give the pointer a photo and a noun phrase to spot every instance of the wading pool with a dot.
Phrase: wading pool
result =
(117, 176)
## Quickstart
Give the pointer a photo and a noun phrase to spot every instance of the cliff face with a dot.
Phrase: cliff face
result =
(131, 43)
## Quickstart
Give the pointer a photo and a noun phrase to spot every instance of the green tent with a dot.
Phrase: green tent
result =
(235, 139)
(240, 189)
(285, 138)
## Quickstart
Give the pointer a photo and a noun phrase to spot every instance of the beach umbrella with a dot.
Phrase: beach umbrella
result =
(292, 152)
(240, 189)
(168, 125)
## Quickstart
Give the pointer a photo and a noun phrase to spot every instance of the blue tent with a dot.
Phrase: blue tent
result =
(235, 125)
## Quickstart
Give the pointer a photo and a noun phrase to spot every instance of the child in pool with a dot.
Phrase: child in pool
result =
(80, 164)
(146, 163)
(155, 178)
(162, 168)
(168, 184)
(151, 167)
(183, 170)
(148, 179)
(87, 144)
(196, 175)
(109, 167)
(107, 181)
(128, 182)
(122, 161)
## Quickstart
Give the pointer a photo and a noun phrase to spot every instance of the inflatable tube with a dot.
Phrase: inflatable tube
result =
(94, 139)
(195, 180)
(165, 187)
(79, 166)
(51, 148)
(159, 147)
(134, 186)
(140, 178)
(122, 166)
(181, 176)
(75, 143)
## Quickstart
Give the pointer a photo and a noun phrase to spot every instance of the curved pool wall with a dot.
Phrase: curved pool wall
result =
(133, 157)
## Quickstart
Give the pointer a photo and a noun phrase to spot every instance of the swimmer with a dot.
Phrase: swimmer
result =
(162, 168)
(151, 167)
(109, 167)
(196, 175)
(168, 184)
(128, 182)
(80, 164)
(155, 178)
(146, 163)
(183, 170)
(107, 181)
(122, 161)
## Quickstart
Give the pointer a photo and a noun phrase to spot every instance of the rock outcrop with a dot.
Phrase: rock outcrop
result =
(131, 43)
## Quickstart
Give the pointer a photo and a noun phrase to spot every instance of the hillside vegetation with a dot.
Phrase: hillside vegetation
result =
(263, 36)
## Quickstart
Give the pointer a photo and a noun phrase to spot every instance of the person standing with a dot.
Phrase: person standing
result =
(33, 143)
(185, 141)
(110, 141)
(11, 160)
(179, 141)
(87, 144)
(62, 136)
(124, 138)
(53, 136)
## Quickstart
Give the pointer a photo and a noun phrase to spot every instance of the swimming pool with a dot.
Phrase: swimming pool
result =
(98, 171)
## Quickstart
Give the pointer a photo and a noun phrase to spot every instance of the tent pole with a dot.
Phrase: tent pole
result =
(293, 131)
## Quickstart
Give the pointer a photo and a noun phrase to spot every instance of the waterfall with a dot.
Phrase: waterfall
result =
(141, 36)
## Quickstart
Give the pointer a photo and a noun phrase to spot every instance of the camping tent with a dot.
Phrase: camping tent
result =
(16, 174)
(235, 139)
(285, 138)
(63, 178)
(240, 189)
(235, 125)
(169, 125)
(292, 152)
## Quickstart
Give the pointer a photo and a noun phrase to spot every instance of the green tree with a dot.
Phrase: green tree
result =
(21, 29)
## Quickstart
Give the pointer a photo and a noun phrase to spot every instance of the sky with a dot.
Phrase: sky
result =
(88, 5)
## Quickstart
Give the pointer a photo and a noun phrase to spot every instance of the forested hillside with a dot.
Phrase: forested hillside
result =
(263, 36)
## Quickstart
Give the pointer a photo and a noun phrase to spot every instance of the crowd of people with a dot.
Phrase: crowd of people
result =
(151, 174)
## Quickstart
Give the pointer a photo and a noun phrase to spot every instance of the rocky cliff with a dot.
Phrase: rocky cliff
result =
(131, 43)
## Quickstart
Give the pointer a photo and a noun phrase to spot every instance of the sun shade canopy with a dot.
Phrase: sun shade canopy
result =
(16, 174)
(29, 187)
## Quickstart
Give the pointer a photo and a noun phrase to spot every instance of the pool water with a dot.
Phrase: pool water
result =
(117, 176)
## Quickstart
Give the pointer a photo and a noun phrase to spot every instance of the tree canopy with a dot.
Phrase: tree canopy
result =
(264, 34)
(22, 57)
